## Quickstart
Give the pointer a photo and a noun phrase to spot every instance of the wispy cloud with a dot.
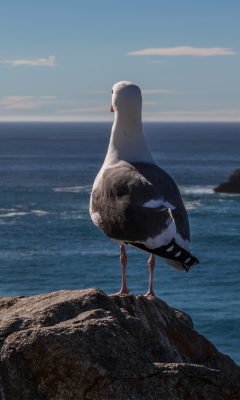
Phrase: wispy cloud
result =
(20, 103)
(154, 91)
(10, 99)
(50, 62)
(229, 112)
(184, 51)
(219, 115)
(21, 106)
(80, 110)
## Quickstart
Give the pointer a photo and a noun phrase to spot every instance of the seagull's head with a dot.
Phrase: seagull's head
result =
(126, 100)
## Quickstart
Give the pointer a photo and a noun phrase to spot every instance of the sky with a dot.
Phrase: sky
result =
(60, 58)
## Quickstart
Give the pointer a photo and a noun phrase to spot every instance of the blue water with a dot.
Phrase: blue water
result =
(48, 242)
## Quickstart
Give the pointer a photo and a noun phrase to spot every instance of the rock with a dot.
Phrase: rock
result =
(231, 185)
(84, 344)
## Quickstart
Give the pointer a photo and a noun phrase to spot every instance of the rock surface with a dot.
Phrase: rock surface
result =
(84, 344)
(231, 185)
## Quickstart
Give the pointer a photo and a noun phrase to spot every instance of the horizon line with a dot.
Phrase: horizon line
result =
(96, 120)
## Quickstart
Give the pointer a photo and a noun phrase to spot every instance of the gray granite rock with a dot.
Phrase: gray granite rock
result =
(231, 185)
(84, 344)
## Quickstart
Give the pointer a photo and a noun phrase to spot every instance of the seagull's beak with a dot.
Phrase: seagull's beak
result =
(111, 109)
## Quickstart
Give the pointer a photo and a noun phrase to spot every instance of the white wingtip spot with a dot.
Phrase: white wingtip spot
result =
(178, 254)
(170, 248)
(187, 260)
(158, 203)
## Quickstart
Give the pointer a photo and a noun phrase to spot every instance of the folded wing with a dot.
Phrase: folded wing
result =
(140, 203)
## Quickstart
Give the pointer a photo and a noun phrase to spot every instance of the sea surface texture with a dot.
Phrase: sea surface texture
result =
(48, 241)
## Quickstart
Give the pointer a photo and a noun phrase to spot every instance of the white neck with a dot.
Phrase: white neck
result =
(127, 142)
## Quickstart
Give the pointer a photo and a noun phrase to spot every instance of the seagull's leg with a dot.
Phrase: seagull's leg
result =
(123, 261)
(151, 263)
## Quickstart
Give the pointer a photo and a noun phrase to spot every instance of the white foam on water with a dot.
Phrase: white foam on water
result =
(192, 205)
(39, 212)
(196, 189)
(13, 214)
(74, 189)
(226, 198)
(16, 213)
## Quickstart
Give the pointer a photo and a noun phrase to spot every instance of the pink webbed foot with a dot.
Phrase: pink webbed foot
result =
(121, 292)
(149, 294)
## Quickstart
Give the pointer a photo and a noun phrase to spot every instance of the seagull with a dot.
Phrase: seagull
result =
(135, 202)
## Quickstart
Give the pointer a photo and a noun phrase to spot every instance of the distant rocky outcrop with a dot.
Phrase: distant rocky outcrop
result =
(84, 344)
(231, 185)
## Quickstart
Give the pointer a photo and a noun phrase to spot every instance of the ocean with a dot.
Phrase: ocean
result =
(48, 241)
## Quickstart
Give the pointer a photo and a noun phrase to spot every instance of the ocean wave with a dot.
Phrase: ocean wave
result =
(192, 205)
(196, 189)
(227, 195)
(74, 189)
(40, 212)
(16, 213)
(13, 214)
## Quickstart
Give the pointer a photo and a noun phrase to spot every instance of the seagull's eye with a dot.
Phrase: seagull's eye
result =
(112, 91)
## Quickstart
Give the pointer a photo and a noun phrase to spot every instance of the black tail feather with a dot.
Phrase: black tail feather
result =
(172, 251)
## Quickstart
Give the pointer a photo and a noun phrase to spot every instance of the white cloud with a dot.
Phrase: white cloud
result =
(80, 110)
(50, 62)
(234, 111)
(21, 106)
(184, 51)
(58, 118)
(19, 102)
(10, 99)
(220, 115)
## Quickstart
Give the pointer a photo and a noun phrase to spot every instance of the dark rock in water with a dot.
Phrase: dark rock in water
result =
(231, 185)
(84, 344)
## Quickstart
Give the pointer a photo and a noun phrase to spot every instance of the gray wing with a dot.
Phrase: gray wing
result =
(121, 203)
(165, 185)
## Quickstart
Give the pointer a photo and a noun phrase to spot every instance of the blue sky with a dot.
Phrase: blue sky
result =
(59, 59)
